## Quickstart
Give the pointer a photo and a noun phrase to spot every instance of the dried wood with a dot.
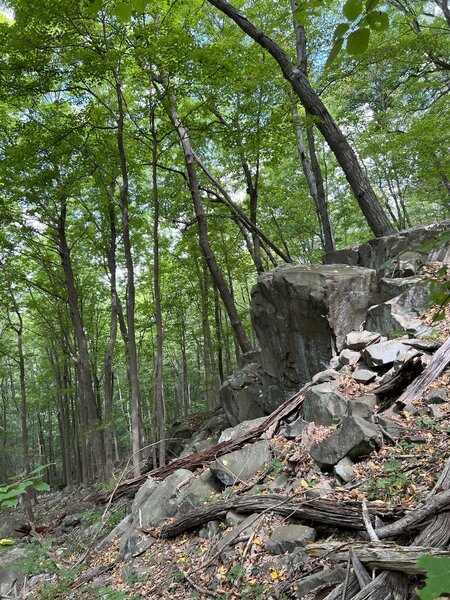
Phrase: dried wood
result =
(437, 364)
(198, 459)
(415, 517)
(330, 512)
(345, 590)
(408, 372)
(387, 586)
(381, 555)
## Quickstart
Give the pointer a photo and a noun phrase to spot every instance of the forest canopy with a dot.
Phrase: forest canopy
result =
(155, 157)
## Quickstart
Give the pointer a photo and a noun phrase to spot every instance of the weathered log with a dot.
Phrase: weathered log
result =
(330, 512)
(408, 372)
(345, 590)
(198, 459)
(433, 506)
(377, 555)
(434, 368)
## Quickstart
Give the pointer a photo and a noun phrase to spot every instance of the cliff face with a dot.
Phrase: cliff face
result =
(301, 314)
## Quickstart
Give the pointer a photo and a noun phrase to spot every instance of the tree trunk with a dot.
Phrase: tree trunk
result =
(313, 104)
(160, 413)
(86, 390)
(227, 299)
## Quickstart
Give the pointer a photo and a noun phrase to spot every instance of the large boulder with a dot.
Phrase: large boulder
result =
(354, 438)
(241, 465)
(324, 404)
(288, 537)
(250, 394)
(301, 315)
(12, 570)
(393, 253)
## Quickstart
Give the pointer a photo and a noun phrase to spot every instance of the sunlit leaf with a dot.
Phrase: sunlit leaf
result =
(358, 41)
(437, 581)
(123, 12)
(378, 20)
(352, 9)
(334, 52)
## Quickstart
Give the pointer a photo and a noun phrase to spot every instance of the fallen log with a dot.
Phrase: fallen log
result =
(329, 512)
(130, 486)
(377, 555)
(437, 364)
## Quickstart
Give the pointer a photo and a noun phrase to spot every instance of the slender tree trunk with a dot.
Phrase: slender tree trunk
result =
(160, 413)
(207, 346)
(218, 324)
(313, 104)
(86, 390)
(219, 281)
(109, 350)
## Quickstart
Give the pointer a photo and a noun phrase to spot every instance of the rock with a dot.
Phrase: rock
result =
(359, 409)
(118, 531)
(197, 491)
(345, 256)
(406, 264)
(295, 429)
(349, 357)
(327, 375)
(369, 399)
(254, 356)
(69, 522)
(132, 571)
(234, 432)
(321, 490)
(299, 311)
(326, 578)
(242, 464)
(233, 518)
(210, 531)
(355, 437)
(358, 340)
(363, 374)
(246, 527)
(439, 395)
(344, 470)
(385, 353)
(12, 570)
(279, 483)
(134, 544)
(390, 288)
(394, 429)
(401, 314)
(250, 394)
(323, 404)
(437, 411)
(288, 537)
(143, 494)
(198, 446)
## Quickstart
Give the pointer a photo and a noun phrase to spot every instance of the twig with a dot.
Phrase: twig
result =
(347, 577)
(196, 586)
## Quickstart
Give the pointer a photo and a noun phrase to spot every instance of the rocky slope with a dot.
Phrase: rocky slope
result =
(333, 491)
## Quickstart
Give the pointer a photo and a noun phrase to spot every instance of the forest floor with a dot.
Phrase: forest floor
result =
(398, 477)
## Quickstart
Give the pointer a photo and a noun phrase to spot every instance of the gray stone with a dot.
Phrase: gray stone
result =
(385, 353)
(355, 437)
(233, 518)
(295, 429)
(164, 501)
(437, 411)
(318, 581)
(288, 537)
(12, 570)
(134, 544)
(345, 256)
(132, 571)
(327, 375)
(439, 395)
(321, 490)
(244, 427)
(370, 399)
(344, 470)
(358, 340)
(279, 483)
(254, 356)
(349, 357)
(323, 404)
(390, 288)
(407, 264)
(70, 522)
(118, 531)
(363, 374)
(298, 312)
(143, 494)
(197, 491)
(250, 394)
(359, 409)
(198, 446)
(246, 527)
(241, 465)
(210, 531)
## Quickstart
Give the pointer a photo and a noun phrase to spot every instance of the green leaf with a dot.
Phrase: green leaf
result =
(334, 52)
(340, 30)
(371, 5)
(6, 542)
(41, 486)
(301, 14)
(94, 7)
(437, 581)
(358, 41)
(123, 12)
(352, 9)
(11, 503)
(139, 5)
(378, 20)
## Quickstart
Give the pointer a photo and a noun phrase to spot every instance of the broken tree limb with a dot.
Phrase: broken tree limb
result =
(330, 512)
(437, 364)
(415, 517)
(380, 555)
(198, 459)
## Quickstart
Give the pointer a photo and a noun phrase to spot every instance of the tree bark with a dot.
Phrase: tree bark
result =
(313, 104)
